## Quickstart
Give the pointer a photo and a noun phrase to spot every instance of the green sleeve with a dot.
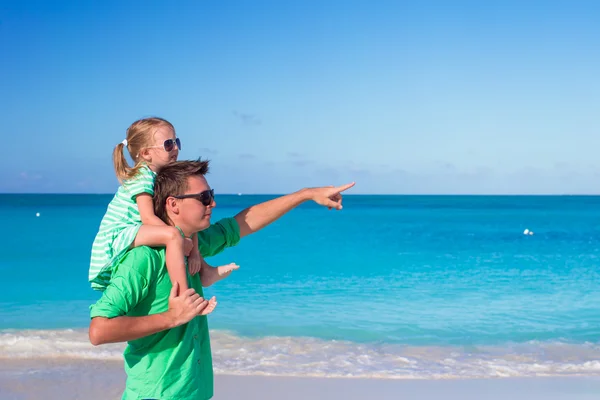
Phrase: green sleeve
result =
(143, 182)
(219, 236)
(128, 285)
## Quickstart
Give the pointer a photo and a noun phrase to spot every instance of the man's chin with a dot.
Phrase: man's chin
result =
(204, 224)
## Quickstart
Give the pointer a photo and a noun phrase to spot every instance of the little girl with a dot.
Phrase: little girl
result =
(130, 220)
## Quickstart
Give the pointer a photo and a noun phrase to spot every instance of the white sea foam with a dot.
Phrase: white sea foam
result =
(66, 343)
(287, 356)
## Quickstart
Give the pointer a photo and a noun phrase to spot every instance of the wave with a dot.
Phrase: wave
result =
(292, 356)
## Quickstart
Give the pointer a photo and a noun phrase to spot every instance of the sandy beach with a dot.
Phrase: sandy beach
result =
(95, 380)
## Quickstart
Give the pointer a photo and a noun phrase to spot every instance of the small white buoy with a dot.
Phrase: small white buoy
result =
(530, 233)
(526, 232)
(37, 214)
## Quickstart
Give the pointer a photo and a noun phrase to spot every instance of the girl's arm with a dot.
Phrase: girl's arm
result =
(194, 260)
(146, 208)
(195, 249)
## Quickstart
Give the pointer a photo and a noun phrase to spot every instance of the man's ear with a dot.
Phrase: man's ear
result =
(172, 205)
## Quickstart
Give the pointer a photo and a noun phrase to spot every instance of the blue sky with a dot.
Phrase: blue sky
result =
(401, 97)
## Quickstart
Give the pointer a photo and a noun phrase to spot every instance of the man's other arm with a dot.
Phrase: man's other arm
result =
(127, 288)
(182, 309)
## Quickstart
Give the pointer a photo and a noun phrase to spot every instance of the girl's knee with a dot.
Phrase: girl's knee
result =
(173, 235)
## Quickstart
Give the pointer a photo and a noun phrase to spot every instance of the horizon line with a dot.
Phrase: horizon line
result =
(345, 194)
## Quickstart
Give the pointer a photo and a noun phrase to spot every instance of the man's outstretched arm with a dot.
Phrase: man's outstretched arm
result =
(257, 217)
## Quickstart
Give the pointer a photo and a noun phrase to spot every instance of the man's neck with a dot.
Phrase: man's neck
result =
(184, 231)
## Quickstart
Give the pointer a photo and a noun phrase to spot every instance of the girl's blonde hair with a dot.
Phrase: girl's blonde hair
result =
(139, 135)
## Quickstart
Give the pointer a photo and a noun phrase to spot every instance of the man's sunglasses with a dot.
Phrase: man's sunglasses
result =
(206, 197)
(168, 145)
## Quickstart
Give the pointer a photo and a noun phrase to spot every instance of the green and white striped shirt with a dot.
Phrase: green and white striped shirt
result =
(119, 227)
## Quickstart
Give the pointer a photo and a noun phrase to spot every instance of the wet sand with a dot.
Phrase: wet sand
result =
(94, 380)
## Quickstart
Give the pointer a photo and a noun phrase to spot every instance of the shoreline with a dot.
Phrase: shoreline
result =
(312, 357)
(90, 379)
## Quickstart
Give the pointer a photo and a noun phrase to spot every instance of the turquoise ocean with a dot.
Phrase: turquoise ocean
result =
(391, 286)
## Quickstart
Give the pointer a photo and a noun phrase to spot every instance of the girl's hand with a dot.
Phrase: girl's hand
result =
(194, 262)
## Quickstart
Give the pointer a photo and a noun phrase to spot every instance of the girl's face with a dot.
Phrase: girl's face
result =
(164, 150)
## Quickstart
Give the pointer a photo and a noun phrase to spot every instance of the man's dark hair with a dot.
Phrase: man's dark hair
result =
(172, 180)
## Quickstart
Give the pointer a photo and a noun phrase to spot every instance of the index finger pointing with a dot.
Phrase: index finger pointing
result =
(342, 188)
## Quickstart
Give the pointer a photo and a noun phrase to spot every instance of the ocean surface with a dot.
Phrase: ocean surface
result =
(391, 286)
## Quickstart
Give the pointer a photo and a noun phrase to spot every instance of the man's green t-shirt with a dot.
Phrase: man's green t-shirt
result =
(175, 363)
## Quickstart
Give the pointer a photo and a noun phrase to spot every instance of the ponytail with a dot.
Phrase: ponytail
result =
(122, 169)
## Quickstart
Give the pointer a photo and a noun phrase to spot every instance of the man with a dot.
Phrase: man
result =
(168, 354)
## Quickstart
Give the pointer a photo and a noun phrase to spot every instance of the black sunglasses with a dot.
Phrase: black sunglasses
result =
(206, 197)
(168, 145)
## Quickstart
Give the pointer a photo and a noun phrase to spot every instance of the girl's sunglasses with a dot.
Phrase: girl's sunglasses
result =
(168, 145)
(206, 197)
